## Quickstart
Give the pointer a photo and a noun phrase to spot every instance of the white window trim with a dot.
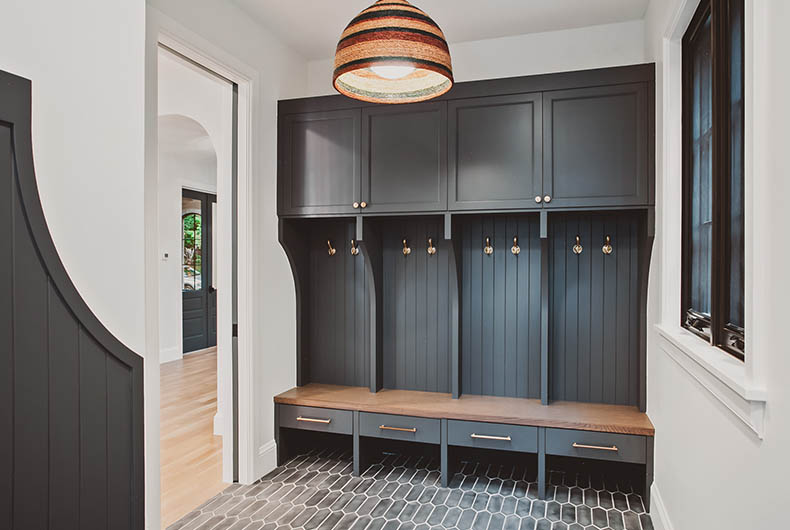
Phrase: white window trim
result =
(735, 384)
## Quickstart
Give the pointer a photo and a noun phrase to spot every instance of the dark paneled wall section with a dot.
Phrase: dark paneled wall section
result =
(71, 421)
(594, 336)
(500, 315)
(416, 306)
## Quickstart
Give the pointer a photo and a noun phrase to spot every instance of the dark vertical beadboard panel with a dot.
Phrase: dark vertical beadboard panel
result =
(6, 335)
(64, 418)
(390, 312)
(558, 303)
(416, 306)
(487, 361)
(119, 441)
(595, 309)
(572, 312)
(93, 435)
(610, 286)
(499, 294)
(624, 244)
(31, 381)
(510, 279)
(337, 304)
(501, 335)
(584, 306)
(533, 314)
(597, 315)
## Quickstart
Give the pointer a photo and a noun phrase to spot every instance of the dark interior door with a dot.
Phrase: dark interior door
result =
(199, 295)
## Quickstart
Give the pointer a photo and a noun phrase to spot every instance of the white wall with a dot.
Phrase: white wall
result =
(187, 92)
(88, 143)
(276, 72)
(535, 53)
(712, 469)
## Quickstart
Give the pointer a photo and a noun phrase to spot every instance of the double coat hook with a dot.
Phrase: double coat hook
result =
(488, 249)
(354, 247)
(431, 249)
(607, 247)
(331, 250)
(406, 248)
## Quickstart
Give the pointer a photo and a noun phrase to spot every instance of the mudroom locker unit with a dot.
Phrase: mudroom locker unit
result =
(472, 271)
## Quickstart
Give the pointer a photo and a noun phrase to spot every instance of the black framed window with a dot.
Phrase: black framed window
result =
(713, 175)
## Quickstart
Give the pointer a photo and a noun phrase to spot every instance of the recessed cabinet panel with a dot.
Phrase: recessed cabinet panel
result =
(319, 162)
(595, 146)
(495, 152)
(405, 158)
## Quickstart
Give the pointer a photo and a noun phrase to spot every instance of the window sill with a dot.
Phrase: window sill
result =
(718, 372)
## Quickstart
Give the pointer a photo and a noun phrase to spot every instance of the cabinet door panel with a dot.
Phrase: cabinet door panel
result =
(595, 146)
(319, 162)
(495, 152)
(405, 158)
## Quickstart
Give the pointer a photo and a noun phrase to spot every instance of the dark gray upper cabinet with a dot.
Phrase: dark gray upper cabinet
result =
(596, 146)
(404, 153)
(319, 163)
(495, 153)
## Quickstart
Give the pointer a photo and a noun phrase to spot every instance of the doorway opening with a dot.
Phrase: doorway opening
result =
(197, 163)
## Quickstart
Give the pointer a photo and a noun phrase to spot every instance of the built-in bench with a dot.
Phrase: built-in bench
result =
(583, 430)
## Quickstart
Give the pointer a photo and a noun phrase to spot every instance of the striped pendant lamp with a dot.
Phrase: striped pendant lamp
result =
(392, 52)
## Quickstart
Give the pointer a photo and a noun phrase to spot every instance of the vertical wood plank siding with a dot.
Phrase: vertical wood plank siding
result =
(338, 309)
(500, 316)
(416, 319)
(594, 331)
(71, 395)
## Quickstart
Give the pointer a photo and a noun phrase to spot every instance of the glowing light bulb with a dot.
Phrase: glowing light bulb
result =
(392, 72)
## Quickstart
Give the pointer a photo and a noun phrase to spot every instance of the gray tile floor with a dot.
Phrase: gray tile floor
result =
(317, 492)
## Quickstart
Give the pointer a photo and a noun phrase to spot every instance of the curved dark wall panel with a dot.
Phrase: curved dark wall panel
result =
(71, 395)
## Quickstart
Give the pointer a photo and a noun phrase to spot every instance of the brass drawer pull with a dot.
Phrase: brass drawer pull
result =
(598, 447)
(401, 429)
(489, 437)
(313, 420)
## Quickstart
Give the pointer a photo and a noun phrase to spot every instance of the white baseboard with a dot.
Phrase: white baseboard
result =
(658, 511)
(266, 459)
(170, 354)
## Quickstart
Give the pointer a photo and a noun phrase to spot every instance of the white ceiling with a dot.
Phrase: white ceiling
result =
(312, 27)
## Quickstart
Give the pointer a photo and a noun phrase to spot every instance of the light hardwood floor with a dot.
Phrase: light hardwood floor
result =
(191, 456)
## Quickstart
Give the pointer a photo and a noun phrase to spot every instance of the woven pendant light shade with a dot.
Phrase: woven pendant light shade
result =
(392, 52)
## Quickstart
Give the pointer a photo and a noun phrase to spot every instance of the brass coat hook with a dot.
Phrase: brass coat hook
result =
(354, 247)
(607, 247)
(577, 248)
(431, 248)
(488, 249)
(332, 251)
(406, 249)
(515, 249)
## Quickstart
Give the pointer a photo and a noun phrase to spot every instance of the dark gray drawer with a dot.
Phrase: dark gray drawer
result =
(596, 445)
(408, 428)
(493, 436)
(317, 419)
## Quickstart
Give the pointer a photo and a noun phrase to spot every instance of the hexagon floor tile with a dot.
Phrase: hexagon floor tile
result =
(316, 491)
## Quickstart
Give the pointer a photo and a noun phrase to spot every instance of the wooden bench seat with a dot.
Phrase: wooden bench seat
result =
(596, 417)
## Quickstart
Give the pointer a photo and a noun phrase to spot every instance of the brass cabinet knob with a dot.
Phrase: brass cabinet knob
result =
(547, 198)
(355, 205)
(364, 204)
(538, 199)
